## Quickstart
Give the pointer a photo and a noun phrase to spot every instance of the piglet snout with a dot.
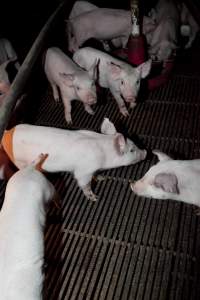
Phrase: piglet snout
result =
(136, 186)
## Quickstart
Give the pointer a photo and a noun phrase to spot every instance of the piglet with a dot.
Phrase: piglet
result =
(171, 179)
(79, 8)
(81, 152)
(121, 78)
(164, 39)
(189, 26)
(22, 219)
(101, 24)
(66, 77)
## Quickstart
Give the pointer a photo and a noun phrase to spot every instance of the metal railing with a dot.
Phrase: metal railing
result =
(26, 68)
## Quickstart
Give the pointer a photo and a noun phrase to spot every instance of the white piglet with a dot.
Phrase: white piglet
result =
(68, 78)
(164, 39)
(171, 179)
(81, 152)
(121, 78)
(101, 24)
(22, 219)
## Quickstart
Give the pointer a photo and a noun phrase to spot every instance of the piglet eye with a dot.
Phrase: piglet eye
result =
(78, 88)
(132, 150)
(137, 82)
(122, 82)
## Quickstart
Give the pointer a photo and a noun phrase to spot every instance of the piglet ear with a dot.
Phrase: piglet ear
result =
(67, 78)
(168, 182)
(107, 127)
(93, 70)
(115, 70)
(144, 68)
(120, 144)
(161, 156)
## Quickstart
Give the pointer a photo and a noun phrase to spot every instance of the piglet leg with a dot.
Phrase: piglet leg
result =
(120, 102)
(67, 106)
(55, 92)
(89, 193)
(88, 109)
(84, 182)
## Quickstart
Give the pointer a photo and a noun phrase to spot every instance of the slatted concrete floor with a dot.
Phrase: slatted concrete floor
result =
(123, 246)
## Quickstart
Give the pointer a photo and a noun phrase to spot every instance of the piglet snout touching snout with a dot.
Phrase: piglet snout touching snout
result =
(140, 155)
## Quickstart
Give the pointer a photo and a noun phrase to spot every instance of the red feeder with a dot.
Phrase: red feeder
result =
(163, 77)
(136, 52)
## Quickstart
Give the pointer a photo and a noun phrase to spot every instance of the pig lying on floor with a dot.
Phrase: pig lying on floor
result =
(171, 179)
(81, 152)
(22, 219)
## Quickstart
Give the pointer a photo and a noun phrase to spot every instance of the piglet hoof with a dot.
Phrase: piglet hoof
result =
(132, 185)
(124, 111)
(92, 197)
(89, 110)
(57, 100)
(89, 194)
(132, 104)
(68, 119)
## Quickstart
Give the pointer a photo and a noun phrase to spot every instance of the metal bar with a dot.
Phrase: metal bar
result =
(27, 66)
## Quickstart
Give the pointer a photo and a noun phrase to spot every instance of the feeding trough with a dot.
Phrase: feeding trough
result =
(136, 52)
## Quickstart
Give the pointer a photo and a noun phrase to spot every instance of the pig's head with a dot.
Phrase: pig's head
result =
(125, 151)
(163, 50)
(83, 84)
(159, 182)
(126, 79)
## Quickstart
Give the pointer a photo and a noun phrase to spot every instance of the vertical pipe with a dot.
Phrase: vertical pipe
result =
(135, 17)
(136, 43)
